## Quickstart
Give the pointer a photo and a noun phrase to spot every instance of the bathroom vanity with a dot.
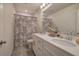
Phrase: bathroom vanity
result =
(44, 45)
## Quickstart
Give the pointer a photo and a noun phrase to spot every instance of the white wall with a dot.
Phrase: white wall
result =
(65, 19)
(6, 29)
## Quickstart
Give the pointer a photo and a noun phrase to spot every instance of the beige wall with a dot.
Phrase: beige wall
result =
(6, 28)
(65, 19)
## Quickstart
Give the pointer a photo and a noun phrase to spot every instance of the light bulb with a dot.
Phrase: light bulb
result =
(43, 4)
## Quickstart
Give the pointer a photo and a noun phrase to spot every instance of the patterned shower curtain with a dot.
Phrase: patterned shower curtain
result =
(24, 27)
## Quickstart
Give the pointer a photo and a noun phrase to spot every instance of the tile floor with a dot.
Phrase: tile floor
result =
(22, 51)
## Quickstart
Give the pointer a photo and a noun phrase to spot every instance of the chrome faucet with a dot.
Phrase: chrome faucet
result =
(69, 36)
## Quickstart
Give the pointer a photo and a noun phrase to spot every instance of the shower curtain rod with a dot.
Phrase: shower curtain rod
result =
(23, 14)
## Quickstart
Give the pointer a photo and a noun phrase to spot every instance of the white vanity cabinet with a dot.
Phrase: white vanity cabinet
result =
(37, 45)
(42, 47)
(55, 51)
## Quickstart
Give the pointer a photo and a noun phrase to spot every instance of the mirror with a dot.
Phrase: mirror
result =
(64, 16)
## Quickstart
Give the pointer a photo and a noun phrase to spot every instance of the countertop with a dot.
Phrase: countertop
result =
(72, 50)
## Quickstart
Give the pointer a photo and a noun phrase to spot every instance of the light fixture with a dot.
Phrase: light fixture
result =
(43, 5)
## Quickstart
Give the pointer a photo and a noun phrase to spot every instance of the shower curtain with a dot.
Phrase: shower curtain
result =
(24, 27)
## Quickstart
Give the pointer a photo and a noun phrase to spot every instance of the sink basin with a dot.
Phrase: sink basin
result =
(64, 42)
(60, 41)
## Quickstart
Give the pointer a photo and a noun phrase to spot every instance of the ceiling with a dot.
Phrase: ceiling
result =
(33, 8)
(27, 7)
(56, 7)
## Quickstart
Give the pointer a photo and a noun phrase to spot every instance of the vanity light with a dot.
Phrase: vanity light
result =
(43, 5)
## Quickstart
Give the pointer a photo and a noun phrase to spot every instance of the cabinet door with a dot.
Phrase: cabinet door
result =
(35, 47)
(55, 51)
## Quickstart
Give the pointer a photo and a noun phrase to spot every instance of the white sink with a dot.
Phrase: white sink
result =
(64, 42)
(60, 41)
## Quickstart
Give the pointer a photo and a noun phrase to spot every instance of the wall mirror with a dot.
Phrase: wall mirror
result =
(65, 16)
